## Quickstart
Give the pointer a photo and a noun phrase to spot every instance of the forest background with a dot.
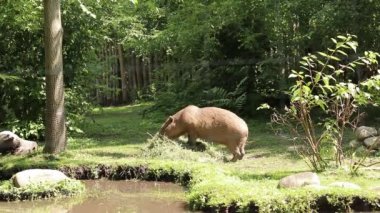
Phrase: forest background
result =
(227, 53)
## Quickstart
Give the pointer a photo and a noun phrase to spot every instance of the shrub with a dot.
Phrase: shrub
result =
(323, 84)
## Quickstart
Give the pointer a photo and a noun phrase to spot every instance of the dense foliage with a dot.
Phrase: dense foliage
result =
(232, 54)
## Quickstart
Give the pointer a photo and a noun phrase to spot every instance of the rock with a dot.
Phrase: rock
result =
(372, 142)
(296, 148)
(299, 180)
(37, 176)
(364, 132)
(343, 184)
(11, 143)
(354, 143)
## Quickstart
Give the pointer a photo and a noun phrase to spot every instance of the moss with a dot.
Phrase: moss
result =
(39, 191)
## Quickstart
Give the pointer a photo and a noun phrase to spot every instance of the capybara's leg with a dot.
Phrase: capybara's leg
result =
(192, 138)
(241, 145)
(242, 151)
(235, 152)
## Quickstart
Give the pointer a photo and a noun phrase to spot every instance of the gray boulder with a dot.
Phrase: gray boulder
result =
(372, 142)
(37, 176)
(364, 132)
(11, 143)
(299, 180)
(346, 185)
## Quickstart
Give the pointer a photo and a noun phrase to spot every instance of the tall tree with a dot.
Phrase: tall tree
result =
(55, 114)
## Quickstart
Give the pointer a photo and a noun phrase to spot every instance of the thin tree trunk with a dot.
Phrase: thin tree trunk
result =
(132, 72)
(55, 129)
(144, 73)
(115, 76)
(138, 72)
(104, 76)
(150, 69)
(123, 76)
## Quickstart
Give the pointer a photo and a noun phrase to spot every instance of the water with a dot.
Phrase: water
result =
(110, 196)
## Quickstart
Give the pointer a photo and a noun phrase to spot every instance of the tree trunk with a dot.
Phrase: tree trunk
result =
(55, 129)
(144, 75)
(138, 72)
(123, 76)
(132, 74)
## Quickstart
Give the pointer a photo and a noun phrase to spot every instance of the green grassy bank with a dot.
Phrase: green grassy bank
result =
(118, 143)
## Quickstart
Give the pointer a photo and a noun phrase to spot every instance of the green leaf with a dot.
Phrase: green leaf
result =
(331, 67)
(321, 63)
(338, 72)
(323, 54)
(341, 52)
(304, 63)
(366, 61)
(306, 90)
(326, 81)
(341, 37)
(317, 76)
(334, 58)
(353, 45)
(263, 106)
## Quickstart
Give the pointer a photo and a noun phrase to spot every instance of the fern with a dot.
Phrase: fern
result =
(220, 97)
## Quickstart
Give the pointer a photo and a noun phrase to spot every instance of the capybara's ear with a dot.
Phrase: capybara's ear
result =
(166, 124)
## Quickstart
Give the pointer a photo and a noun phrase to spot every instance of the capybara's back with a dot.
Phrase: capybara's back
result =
(221, 126)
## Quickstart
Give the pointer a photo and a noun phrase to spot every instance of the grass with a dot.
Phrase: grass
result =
(63, 188)
(122, 136)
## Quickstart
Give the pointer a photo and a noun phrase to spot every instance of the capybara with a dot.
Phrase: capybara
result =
(209, 123)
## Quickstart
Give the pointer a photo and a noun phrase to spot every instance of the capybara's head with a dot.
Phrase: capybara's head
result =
(170, 128)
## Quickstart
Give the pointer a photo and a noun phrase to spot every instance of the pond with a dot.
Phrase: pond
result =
(110, 196)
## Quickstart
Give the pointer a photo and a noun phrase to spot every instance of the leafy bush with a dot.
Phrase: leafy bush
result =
(170, 101)
(323, 84)
(23, 102)
(23, 105)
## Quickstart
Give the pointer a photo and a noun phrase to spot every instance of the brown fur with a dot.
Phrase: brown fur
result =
(209, 123)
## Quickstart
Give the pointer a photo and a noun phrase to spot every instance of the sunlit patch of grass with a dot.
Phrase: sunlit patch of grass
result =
(163, 148)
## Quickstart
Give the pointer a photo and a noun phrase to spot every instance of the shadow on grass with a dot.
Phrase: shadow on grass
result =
(112, 154)
(277, 175)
